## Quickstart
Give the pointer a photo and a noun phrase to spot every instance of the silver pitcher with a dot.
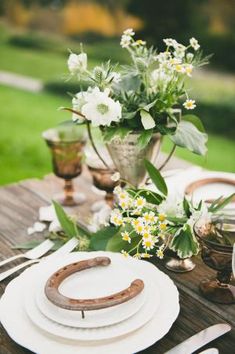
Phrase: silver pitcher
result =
(128, 158)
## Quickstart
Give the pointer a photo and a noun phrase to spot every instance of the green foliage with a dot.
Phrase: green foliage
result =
(100, 239)
(150, 196)
(184, 243)
(116, 243)
(188, 136)
(145, 138)
(220, 203)
(156, 177)
(68, 226)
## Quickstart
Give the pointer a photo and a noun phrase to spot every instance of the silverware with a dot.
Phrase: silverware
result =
(200, 339)
(65, 249)
(210, 351)
(35, 253)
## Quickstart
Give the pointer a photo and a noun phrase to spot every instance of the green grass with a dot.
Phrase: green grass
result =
(23, 118)
(24, 154)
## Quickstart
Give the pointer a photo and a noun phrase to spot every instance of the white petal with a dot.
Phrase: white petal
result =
(39, 226)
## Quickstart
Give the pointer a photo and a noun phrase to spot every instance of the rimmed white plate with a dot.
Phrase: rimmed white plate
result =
(92, 283)
(94, 334)
(17, 323)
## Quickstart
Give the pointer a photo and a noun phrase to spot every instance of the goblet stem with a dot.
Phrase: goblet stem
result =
(68, 191)
(109, 198)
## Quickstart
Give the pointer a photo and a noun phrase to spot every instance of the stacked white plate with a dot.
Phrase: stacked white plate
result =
(35, 323)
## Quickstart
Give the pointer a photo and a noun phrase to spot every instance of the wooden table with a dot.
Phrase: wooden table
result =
(19, 204)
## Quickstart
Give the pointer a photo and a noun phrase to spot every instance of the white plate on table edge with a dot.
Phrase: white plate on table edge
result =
(98, 318)
(16, 322)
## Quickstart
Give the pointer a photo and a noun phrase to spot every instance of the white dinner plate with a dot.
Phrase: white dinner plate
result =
(16, 322)
(108, 279)
(92, 283)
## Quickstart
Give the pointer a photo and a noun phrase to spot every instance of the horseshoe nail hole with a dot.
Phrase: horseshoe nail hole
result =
(57, 274)
(111, 298)
(64, 268)
(74, 263)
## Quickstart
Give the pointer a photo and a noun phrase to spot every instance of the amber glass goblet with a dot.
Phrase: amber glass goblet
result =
(216, 241)
(66, 144)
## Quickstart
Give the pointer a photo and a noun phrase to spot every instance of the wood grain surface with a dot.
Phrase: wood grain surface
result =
(19, 204)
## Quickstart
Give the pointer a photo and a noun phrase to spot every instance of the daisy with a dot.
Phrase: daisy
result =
(194, 43)
(126, 236)
(160, 253)
(189, 69)
(148, 243)
(162, 217)
(189, 104)
(125, 41)
(179, 68)
(140, 202)
(124, 253)
(129, 32)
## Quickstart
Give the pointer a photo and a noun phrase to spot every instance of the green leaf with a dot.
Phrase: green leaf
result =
(100, 238)
(144, 138)
(150, 196)
(110, 133)
(68, 226)
(117, 244)
(195, 121)
(186, 207)
(222, 204)
(188, 136)
(156, 177)
(31, 244)
(147, 120)
(184, 243)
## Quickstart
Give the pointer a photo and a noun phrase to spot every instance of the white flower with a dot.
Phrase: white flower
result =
(78, 102)
(148, 243)
(162, 57)
(170, 42)
(116, 217)
(115, 177)
(200, 217)
(116, 77)
(77, 63)
(100, 109)
(194, 43)
(189, 69)
(126, 236)
(129, 32)
(160, 253)
(189, 104)
(140, 202)
(179, 51)
(125, 41)
(189, 56)
(179, 68)
(172, 206)
(139, 42)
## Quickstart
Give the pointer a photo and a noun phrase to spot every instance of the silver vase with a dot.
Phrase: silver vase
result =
(128, 158)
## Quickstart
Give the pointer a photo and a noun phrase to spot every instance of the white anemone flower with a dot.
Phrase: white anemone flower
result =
(172, 206)
(194, 43)
(78, 102)
(77, 63)
(100, 109)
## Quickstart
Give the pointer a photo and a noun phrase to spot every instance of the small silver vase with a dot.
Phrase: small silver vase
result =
(128, 158)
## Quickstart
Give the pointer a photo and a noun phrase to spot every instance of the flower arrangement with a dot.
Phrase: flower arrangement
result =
(145, 96)
(146, 223)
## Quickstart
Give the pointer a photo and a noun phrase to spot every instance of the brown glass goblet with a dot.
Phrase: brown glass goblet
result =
(66, 144)
(102, 180)
(216, 251)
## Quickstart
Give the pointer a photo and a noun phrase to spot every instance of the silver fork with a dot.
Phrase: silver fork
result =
(65, 249)
(35, 253)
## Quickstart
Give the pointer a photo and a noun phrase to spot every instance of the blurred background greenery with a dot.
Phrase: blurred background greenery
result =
(34, 39)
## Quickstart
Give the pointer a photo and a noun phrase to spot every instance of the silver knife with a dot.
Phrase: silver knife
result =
(200, 339)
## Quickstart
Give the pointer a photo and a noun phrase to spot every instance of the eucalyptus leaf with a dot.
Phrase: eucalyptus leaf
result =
(156, 177)
(184, 243)
(144, 138)
(188, 136)
(100, 238)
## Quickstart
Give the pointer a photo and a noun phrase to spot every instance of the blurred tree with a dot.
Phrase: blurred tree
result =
(168, 18)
